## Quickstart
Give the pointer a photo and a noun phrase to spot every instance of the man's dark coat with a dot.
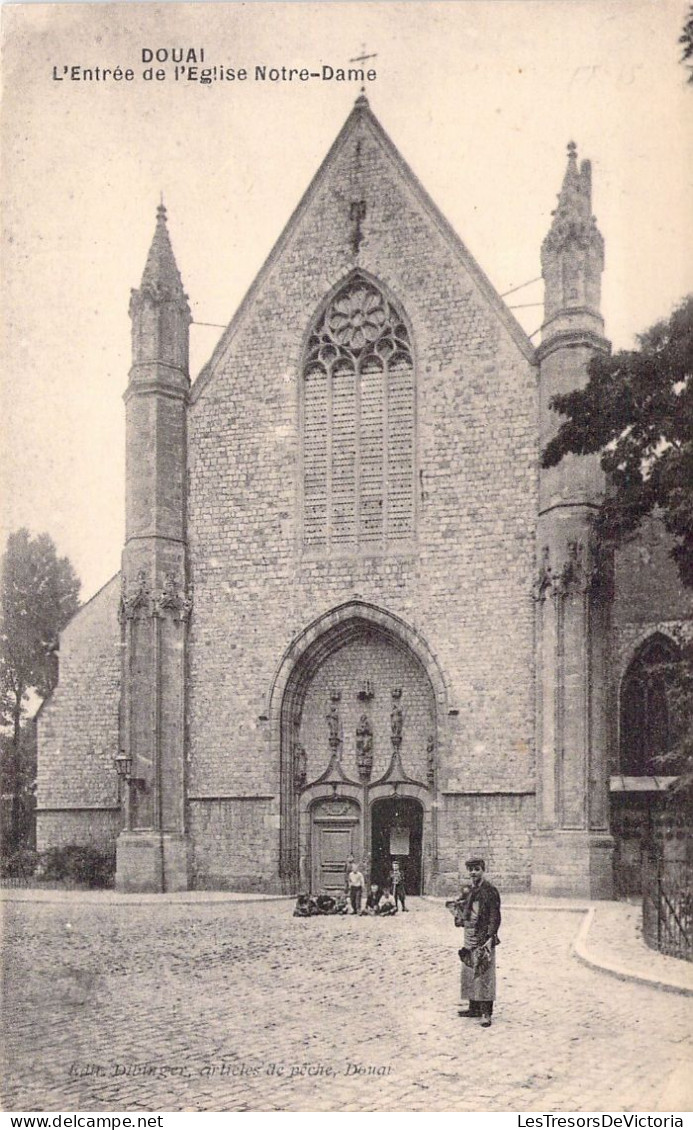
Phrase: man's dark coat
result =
(489, 920)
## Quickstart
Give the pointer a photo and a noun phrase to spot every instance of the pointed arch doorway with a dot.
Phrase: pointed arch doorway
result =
(639, 791)
(397, 833)
(353, 670)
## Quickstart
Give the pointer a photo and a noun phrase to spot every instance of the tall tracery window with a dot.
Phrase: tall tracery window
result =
(358, 423)
(645, 723)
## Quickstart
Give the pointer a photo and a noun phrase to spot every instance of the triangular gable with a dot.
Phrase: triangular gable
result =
(92, 599)
(361, 114)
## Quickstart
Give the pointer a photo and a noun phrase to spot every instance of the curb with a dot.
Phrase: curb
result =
(581, 951)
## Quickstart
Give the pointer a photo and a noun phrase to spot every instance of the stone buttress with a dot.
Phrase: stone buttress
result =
(152, 850)
(572, 847)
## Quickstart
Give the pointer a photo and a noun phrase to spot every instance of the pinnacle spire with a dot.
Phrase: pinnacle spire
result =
(161, 272)
(159, 309)
(572, 185)
(572, 254)
(572, 218)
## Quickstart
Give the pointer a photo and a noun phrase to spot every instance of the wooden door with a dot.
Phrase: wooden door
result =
(335, 842)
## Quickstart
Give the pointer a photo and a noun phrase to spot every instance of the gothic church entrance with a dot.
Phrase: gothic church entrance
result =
(358, 755)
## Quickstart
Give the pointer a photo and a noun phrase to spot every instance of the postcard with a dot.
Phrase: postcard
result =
(303, 619)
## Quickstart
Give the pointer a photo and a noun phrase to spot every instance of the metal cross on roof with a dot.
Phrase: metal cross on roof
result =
(363, 56)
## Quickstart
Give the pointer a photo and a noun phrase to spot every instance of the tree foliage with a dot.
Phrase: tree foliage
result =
(686, 41)
(637, 411)
(39, 593)
(18, 784)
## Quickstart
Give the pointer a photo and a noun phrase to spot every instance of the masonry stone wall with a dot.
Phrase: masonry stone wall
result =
(235, 844)
(98, 828)
(77, 732)
(649, 595)
(497, 828)
(464, 582)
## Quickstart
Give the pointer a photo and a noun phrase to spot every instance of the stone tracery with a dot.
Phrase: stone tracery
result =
(359, 326)
(358, 422)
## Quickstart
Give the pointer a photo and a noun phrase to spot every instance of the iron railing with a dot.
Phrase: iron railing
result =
(667, 907)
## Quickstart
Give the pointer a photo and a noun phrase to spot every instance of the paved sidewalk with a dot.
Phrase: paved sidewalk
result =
(611, 940)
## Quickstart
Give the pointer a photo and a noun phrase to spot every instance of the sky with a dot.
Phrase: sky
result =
(481, 98)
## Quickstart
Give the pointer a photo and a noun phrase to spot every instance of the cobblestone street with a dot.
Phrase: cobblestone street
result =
(239, 1006)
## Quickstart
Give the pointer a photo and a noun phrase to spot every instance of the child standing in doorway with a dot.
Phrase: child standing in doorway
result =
(356, 887)
(398, 884)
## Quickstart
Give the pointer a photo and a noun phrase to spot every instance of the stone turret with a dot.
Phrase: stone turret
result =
(572, 848)
(156, 600)
(159, 311)
(572, 257)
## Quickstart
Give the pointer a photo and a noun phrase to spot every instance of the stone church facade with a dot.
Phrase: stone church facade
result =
(353, 615)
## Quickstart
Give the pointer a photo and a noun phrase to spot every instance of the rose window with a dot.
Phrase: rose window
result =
(357, 318)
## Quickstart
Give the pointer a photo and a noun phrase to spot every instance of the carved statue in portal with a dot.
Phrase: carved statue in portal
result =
(396, 718)
(333, 722)
(431, 762)
(364, 748)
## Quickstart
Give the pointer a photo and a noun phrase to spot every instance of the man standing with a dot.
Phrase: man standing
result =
(481, 912)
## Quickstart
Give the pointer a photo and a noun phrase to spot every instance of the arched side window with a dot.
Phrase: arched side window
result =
(358, 423)
(645, 722)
